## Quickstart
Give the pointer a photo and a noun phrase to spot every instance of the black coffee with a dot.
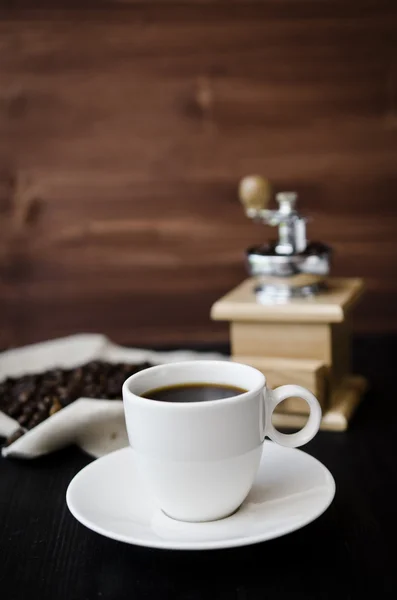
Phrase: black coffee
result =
(193, 392)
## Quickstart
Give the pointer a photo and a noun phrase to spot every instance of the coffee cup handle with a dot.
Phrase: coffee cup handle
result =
(292, 440)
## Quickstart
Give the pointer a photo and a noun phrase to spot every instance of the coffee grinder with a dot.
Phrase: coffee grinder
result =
(289, 318)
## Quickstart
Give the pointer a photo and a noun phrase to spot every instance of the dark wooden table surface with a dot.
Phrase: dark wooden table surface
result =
(347, 552)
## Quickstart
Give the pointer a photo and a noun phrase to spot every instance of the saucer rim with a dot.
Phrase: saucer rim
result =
(225, 543)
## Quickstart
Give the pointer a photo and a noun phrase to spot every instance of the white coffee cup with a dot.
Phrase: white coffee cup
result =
(200, 459)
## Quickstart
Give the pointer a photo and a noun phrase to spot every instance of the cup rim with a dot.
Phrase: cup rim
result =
(127, 393)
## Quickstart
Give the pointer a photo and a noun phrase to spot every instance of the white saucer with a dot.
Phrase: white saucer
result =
(291, 490)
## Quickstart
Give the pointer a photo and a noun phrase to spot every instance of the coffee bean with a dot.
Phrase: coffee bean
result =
(14, 409)
(77, 374)
(37, 418)
(15, 436)
(41, 406)
(23, 419)
(55, 406)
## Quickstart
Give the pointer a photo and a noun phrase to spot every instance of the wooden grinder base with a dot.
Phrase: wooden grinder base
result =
(305, 341)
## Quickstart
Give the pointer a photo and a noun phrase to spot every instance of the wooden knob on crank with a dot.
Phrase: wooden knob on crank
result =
(254, 192)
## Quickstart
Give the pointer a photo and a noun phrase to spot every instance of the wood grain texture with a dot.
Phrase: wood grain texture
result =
(310, 374)
(330, 306)
(311, 341)
(125, 127)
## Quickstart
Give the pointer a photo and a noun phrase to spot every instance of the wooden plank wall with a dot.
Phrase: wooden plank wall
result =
(125, 127)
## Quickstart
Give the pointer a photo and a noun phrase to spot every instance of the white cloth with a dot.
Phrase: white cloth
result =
(97, 426)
